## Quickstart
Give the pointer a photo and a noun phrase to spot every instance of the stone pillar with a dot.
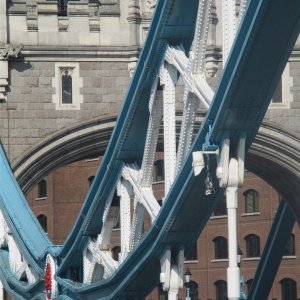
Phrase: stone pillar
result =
(3, 42)
(134, 19)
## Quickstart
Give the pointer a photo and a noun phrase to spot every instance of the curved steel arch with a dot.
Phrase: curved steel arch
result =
(274, 151)
(177, 224)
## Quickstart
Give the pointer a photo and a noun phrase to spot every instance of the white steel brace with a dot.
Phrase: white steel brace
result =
(168, 79)
(171, 276)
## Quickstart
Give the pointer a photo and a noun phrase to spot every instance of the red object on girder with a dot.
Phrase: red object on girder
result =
(48, 281)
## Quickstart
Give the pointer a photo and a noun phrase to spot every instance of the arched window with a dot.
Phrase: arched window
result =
(159, 170)
(289, 249)
(252, 245)
(66, 87)
(221, 209)
(193, 286)
(191, 254)
(43, 221)
(115, 252)
(221, 290)
(91, 179)
(251, 201)
(42, 189)
(248, 284)
(288, 289)
(221, 248)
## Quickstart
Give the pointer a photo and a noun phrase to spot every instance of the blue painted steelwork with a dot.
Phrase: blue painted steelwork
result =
(237, 109)
(271, 257)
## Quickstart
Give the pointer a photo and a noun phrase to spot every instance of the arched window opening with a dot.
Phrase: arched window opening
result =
(221, 248)
(66, 87)
(221, 209)
(91, 179)
(252, 245)
(115, 252)
(159, 170)
(248, 284)
(193, 286)
(221, 290)
(191, 254)
(288, 289)
(42, 189)
(43, 221)
(289, 249)
(251, 201)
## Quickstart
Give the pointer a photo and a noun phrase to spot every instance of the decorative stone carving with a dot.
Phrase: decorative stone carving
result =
(10, 51)
(5, 54)
(31, 15)
(134, 11)
(151, 4)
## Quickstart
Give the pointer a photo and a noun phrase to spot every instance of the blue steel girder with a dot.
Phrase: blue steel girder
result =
(183, 215)
(237, 108)
(271, 257)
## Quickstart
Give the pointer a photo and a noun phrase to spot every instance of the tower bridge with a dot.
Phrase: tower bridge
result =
(62, 79)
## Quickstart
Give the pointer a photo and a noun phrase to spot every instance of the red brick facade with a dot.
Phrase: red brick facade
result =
(67, 187)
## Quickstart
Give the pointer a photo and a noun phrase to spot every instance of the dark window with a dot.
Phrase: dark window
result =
(62, 7)
(42, 189)
(288, 289)
(91, 179)
(252, 245)
(290, 246)
(191, 254)
(159, 170)
(221, 209)
(248, 283)
(221, 248)
(221, 290)
(277, 96)
(66, 87)
(251, 201)
(193, 286)
(162, 295)
(43, 221)
(115, 252)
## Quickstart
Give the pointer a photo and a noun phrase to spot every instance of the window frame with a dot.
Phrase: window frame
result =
(251, 198)
(221, 247)
(292, 288)
(42, 190)
(252, 240)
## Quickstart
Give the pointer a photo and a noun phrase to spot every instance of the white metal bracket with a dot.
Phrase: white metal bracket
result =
(171, 276)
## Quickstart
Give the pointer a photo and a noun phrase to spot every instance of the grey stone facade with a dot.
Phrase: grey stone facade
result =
(103, 43)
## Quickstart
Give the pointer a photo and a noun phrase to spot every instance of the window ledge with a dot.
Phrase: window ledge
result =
(250, 214)
(40, 198)
(250, 258)
(116, 229)
(194, 261)
(158, 182)
(219, 260)
(218, 217)
(289, 256)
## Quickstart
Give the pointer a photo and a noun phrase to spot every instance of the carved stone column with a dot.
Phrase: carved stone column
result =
(134, 18)
(5, 53)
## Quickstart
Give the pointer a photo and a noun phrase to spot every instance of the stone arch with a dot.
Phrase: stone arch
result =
(275, 150)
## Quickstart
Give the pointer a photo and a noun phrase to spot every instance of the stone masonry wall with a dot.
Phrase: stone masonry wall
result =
(30, 114)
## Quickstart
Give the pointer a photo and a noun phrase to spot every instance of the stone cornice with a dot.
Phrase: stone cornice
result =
(89, 53)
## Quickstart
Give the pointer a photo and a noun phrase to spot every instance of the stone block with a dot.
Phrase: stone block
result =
(31, 81)
(45, 81)
(108, 82)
